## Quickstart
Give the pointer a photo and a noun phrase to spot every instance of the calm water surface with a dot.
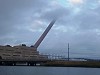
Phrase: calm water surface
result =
(31, 70)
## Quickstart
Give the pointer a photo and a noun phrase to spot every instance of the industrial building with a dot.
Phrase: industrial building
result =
(20, 52)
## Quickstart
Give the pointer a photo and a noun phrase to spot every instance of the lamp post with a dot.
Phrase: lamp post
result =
(68, 51)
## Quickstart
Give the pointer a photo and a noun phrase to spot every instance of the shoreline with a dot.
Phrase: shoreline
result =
(86, 64)
(60, 63)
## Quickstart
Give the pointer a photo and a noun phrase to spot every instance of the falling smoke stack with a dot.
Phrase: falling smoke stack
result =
(44, 34)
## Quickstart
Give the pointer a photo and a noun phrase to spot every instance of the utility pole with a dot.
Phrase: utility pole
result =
(68, 51)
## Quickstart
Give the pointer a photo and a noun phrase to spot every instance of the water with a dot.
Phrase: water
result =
(31, 70)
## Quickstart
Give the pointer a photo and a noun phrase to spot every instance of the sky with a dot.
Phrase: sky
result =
(23, 21)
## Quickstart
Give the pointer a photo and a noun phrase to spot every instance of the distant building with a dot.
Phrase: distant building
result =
(20, 52)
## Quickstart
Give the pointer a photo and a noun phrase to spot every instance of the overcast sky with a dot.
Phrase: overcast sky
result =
(23, 21)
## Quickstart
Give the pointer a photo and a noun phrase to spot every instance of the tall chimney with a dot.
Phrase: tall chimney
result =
(44, 34)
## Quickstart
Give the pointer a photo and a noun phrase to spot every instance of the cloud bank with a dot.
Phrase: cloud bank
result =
(23, 21)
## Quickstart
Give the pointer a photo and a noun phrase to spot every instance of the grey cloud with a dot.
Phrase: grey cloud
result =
(14, 13)
(56, 13)
(18, 17)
